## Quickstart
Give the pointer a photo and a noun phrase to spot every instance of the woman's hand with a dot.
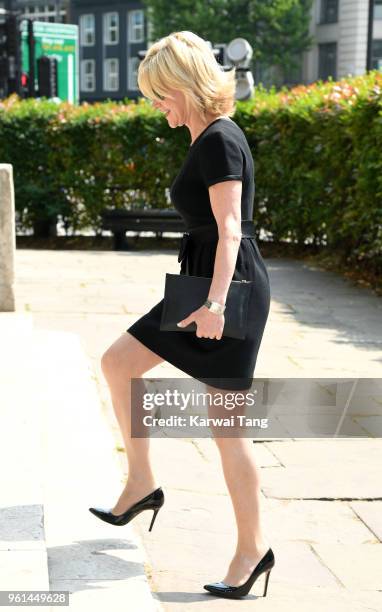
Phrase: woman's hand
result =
(209, 324)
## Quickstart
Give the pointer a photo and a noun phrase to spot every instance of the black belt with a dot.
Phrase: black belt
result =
(210, 233)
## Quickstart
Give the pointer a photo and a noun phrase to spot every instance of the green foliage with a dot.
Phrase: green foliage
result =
(317, 152)
(277, 30)
(75, 161)
(318, 155)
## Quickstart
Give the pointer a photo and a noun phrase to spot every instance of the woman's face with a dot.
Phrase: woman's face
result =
(173, 106)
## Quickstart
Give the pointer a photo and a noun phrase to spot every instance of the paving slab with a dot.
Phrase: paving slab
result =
(343, 482)
(357, 566)
(314, 522)
(24, 570)
(328, 452)
(356, 475)
(370, 514)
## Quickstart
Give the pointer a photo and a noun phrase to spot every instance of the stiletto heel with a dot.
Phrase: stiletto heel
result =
(153, 501)
(153, 519)
(266, 583)
(226, 590)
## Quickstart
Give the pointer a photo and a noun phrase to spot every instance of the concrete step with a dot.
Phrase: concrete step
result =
(23, 554)
(14, 324)
(61, 459)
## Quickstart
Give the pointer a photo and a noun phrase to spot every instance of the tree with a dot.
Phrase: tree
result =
(277, 30)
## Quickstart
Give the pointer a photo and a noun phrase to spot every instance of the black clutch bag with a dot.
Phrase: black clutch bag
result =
(183, 294)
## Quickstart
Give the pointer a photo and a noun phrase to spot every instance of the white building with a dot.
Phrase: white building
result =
(340, 30)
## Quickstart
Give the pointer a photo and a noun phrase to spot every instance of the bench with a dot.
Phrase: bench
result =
(158, 221)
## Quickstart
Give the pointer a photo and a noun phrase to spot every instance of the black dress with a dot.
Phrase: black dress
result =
(219, 153)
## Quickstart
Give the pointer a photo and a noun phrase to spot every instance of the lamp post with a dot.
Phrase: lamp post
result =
(10, 52)
(31, 47)
(370, 23)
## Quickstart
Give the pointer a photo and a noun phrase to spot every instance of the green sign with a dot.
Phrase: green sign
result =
(59, 40)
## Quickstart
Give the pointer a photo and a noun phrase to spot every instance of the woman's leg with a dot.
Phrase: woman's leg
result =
(242, 477)
(125, 359)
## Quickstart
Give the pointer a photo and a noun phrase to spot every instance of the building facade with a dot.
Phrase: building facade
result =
(340, 29)
(111, 34)
(54, 11)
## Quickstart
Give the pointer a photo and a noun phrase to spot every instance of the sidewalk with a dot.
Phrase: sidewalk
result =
(322, 503)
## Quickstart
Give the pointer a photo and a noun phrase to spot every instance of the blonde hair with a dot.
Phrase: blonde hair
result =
(184, 61)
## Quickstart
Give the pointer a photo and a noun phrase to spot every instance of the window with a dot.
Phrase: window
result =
(87, 30)
(329, 11)
(327, 61)
(110, 28)
(376, 60)
(111, 74)
(136, 26)
(132, 83)
(378, 9)
(88, 75)
(45, 12)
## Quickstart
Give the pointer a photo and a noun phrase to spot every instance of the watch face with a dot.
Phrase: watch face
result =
(217, 309)
(214, 307)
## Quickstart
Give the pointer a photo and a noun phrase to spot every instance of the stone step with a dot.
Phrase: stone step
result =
(62, 459)
(23, 554)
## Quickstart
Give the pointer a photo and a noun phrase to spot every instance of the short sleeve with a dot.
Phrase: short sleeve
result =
(220, 159)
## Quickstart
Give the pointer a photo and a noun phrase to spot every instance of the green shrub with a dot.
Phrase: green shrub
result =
(317, 151)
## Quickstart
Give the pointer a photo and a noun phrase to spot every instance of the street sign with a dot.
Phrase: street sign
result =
(59, 40)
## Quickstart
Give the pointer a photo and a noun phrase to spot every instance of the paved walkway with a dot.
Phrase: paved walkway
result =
(322, 499)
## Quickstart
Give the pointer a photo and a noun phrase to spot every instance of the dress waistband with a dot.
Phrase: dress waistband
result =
(210, 232)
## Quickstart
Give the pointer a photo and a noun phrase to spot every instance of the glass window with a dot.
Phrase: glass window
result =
(327, 61)
(136, 26)
(111, 74)
(88, 75)
(110, 28)
(329, 11)
(376, 60)
(133, 74)
(378, 9)
(87, 30)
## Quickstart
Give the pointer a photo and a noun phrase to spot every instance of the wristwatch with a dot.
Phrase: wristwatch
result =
(214, 307)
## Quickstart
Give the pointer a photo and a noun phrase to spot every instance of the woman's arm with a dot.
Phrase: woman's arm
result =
(225, 201)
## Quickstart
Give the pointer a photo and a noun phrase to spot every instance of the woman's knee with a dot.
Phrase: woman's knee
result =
(126, 357)
(114, 361)
(109, 361)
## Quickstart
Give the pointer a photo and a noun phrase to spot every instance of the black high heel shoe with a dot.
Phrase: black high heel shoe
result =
(153, 501)
(225, 590)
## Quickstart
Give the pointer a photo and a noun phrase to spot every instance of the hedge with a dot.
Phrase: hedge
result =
(317, 152)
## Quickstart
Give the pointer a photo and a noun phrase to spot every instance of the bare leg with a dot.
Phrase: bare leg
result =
(125, 359)
(242, 477)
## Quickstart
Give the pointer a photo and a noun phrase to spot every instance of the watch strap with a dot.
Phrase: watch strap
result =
(215, 307)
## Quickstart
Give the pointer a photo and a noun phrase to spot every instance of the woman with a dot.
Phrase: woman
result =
(214, 193)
